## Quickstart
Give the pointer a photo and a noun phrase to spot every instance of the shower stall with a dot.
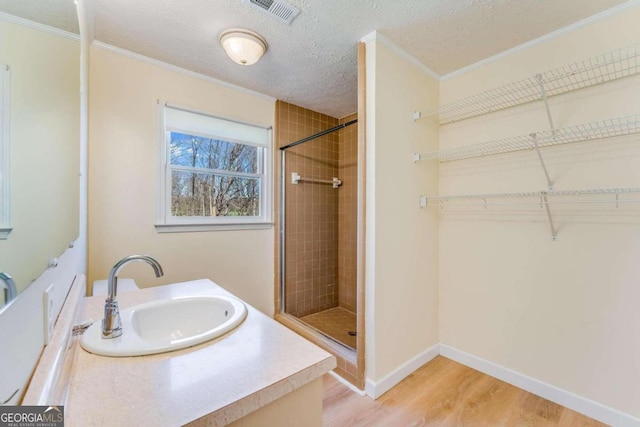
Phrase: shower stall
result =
(318, 233)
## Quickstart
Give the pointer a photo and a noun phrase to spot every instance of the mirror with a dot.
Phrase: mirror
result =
(40, 150)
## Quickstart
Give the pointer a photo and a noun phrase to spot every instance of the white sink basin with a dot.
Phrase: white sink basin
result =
(167, 325)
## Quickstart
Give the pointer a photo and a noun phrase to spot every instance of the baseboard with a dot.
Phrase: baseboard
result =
(350, 386)
(375, 389)
(580, 404)
(590, 408)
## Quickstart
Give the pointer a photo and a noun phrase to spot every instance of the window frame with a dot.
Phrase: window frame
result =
(5, 143)
(167, 223)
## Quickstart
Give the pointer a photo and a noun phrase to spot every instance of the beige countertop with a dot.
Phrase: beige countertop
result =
(216, 382)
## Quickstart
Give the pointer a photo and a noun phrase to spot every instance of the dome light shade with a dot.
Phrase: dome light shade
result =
(244, 47)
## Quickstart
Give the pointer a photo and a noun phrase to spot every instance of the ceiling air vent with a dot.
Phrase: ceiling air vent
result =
(276, 8)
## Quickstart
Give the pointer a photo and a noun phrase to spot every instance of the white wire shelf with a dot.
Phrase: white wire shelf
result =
(602, 68)
(550, 195)
(543, 199)
(609, 128)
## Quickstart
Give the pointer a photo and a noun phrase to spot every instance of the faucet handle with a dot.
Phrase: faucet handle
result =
(111, 324)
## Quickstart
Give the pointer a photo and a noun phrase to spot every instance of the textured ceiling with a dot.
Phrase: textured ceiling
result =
(55, 13)
(312, 62)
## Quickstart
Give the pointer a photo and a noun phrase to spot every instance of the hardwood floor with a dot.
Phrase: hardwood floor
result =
(445, 393)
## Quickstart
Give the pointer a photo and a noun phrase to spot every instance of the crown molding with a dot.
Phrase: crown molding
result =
(545, 38)
(377, 36)
(369, 37)
(38, 26)
(119, 51)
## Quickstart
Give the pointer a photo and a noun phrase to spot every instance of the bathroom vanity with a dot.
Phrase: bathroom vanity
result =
(260, 373)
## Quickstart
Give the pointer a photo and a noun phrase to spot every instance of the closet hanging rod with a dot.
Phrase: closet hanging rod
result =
(319, 134)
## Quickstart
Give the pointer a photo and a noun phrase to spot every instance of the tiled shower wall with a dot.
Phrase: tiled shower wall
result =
(311, 233)
(320, 234)
(347, 213)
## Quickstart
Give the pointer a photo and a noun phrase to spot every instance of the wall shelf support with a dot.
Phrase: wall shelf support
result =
(543, 95)
(545, 201)
(534, 137)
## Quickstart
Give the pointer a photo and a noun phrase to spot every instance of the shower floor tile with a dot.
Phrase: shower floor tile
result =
(335, 322)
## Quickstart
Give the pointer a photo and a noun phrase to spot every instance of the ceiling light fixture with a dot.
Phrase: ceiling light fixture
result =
(244, 47)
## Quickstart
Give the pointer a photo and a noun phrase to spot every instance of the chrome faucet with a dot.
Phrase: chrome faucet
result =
(111, 325)
(10, 289)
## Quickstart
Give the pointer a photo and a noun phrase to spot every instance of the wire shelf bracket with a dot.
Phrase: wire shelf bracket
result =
(543, 94)
(545, 201)
(534, 138)
(595, 70)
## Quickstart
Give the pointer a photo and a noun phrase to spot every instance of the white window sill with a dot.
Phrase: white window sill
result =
(4, 232)
(190, 228)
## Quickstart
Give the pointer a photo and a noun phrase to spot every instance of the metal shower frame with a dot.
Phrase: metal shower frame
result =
(283, 200)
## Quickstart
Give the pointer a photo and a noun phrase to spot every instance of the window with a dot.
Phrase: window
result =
(5, 227)
(213, 173)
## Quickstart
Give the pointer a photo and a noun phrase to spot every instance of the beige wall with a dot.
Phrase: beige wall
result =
(44, 144)
(122, 180)
(402, 240)
(563, 312)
